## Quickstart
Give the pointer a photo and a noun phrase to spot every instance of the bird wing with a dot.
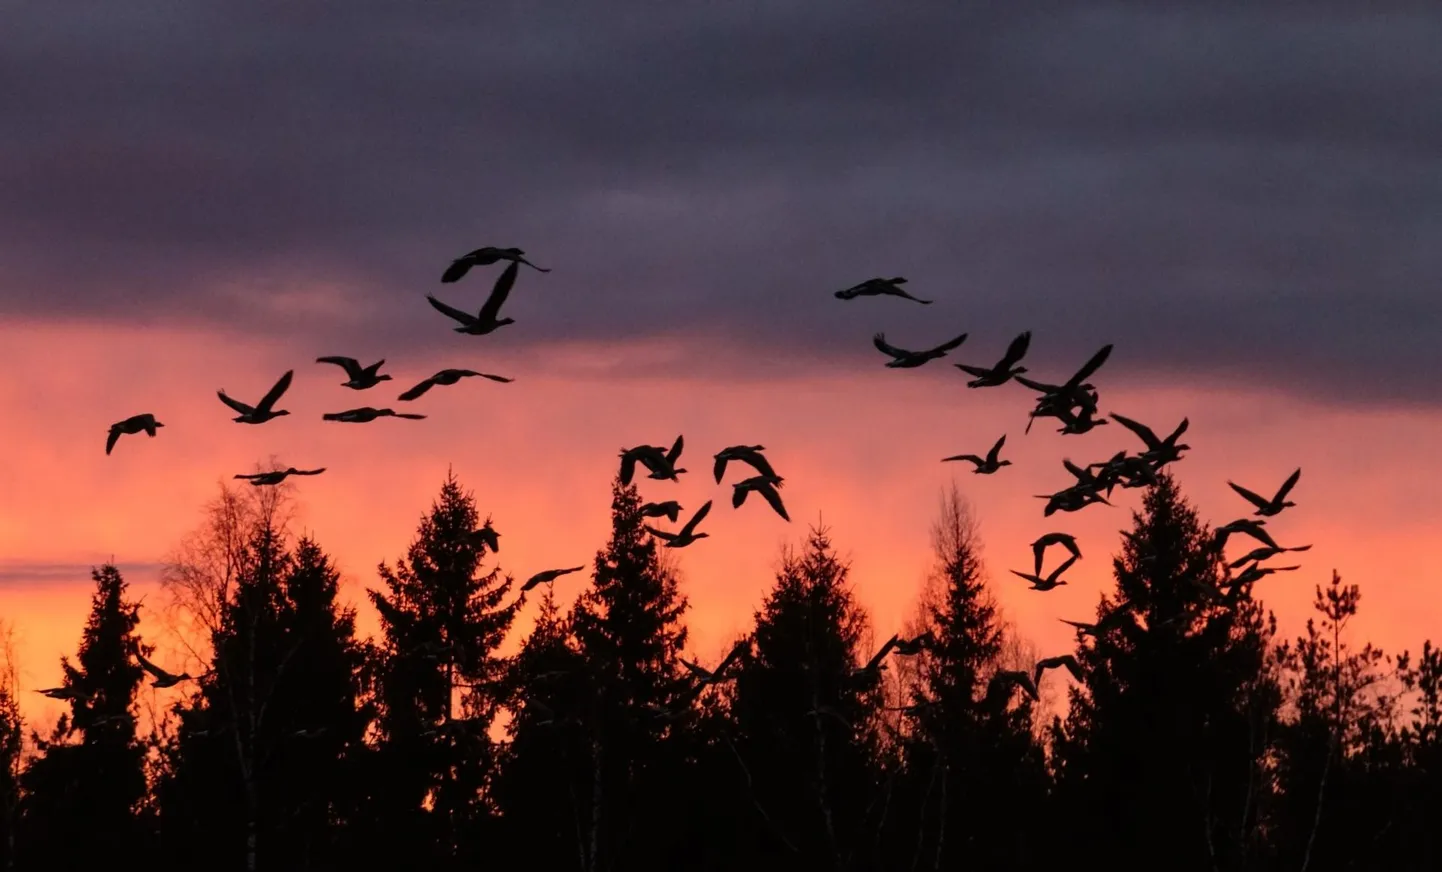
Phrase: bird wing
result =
(1031, 578)
(948, 346)
(1177, 433)
(452, 312)
(234, 404)
(418, 390)
(675, 453)
(150, 667)
(720, 467)
(970, 457)
(499, 291)
(495, 378)
(1090, 367)
(736, 651)
(351, 366)
(738, 494)
(407, 415)
(661, 534)
(1143, 431)
(696, 669)
(1249, 496)
(268, 401)
(252, 476)
(696, 519)
(1039, 387)
(628, 467)
(879, 340)
(995, 451)
(978, 371)
(307, 471)
(1288, 485)
(1015, 351)
(902, 293)
(458, 268)
(1056, 573)
(1070, 544)
(769, 492)
(112, 438)
(758, 462)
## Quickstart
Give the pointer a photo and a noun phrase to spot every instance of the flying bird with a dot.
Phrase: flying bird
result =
(687, 534)
(485, 257)
(486, 535)
(548, 576)
(277, 476)
(162, 679)
(1004, 370)
(1070, 500)
(449, 377)
(713, 676)
(748, 454)
(903, 359)
(877, 288)
(1066, 660)
(914, 646)
(1159, 452)
(486, 321)
(1266, 552)
(1251, 527)
(987, 465)
(761, 484)
(873, 667)
(1007, 678)
(670, 509)
(1114, 618)
(361, 377)
(145, 423)
(1049, 582)
(1265, 507)
(1038, 548)
(660, 462)
(1256, 572)
(66, 693)
(366, 414)
(265, 409)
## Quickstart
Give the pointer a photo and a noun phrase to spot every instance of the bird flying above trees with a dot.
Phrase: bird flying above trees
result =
(988, 464)
(264, 410)
(687, 534)
(1265, 507)
(548, 576)
(277, 476)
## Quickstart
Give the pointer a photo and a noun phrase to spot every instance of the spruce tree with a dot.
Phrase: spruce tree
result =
(1161, 761)
(974, 772)
(439, 685)
(806, 725)
(629, 633)
(83, 794)
(12, 746)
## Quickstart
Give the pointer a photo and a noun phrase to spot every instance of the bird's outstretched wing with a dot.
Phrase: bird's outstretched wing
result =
(458, 268)
(1253, 498)
(972, 458)
(879, 340)
(662, 534)
(774, 498)
(112, 438)
(948, 346)
(282, 384)
(1143, 431)
(237, 405)
(1015, 351)
(1287, 485)
(452, 312)
(418, 390)
(696, 519)
(351, 366)
(1090, 367)
(499, 292)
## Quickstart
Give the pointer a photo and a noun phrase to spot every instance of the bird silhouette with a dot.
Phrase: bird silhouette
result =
(1038, 548)
(486, 321)
(1265, 507)
(1050, 581)
(548, 576)
(1266, 552)
(988, 464)
(687, 534)
(766, 486)
(485, 257)
(277, 476)
(449, 377)
(360, 377)
(1159, 451)
(717, 675)
(1249, 526)
(1066, 660)
(748, 454)
(879, 287)
(160, 678)
(670, 509)
(366, 414)
(265, 409)
(1004, 370)
(903, 359)
(145, 423)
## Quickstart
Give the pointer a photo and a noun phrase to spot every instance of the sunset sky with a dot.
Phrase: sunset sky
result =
(203, 195)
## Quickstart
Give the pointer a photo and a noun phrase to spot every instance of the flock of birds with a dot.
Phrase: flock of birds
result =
(1074, 403)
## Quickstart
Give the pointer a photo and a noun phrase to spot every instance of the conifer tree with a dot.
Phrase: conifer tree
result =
(629, 632)
(12, 747)
(806, 725)
(1413, 842)
(439, 684)
(82, 796)
(1162, 755)
(975, 773)
(1331, 765)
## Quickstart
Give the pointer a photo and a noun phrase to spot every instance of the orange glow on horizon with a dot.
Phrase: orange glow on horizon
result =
(859, 450)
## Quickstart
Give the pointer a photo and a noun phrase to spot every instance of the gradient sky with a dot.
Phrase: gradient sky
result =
(202, 195)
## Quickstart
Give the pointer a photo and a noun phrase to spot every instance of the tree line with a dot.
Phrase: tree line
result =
(1194, 737)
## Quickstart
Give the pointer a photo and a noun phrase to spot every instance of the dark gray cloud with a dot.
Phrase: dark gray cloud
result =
(1222, 189)
(13, 574)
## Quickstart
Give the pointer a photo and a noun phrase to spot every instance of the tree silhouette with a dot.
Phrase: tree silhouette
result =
(1163, 752)
(629, 633)
(1410, 835)
(806, 725)
(82, 795)
(12, 746)
(974, 773)
(1333, 805)
(439, 685)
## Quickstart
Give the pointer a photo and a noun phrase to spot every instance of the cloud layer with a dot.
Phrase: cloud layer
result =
(1228, 192)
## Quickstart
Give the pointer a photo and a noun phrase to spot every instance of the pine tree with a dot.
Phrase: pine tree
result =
(806, 726)
(1334, 802)
(12, 746)
(975, 774)
(1413, 843)
(439, 685)
(1161, 759)
(629, 633)
(83, 794)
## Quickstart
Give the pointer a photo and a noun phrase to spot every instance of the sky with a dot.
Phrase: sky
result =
(1245, 201)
